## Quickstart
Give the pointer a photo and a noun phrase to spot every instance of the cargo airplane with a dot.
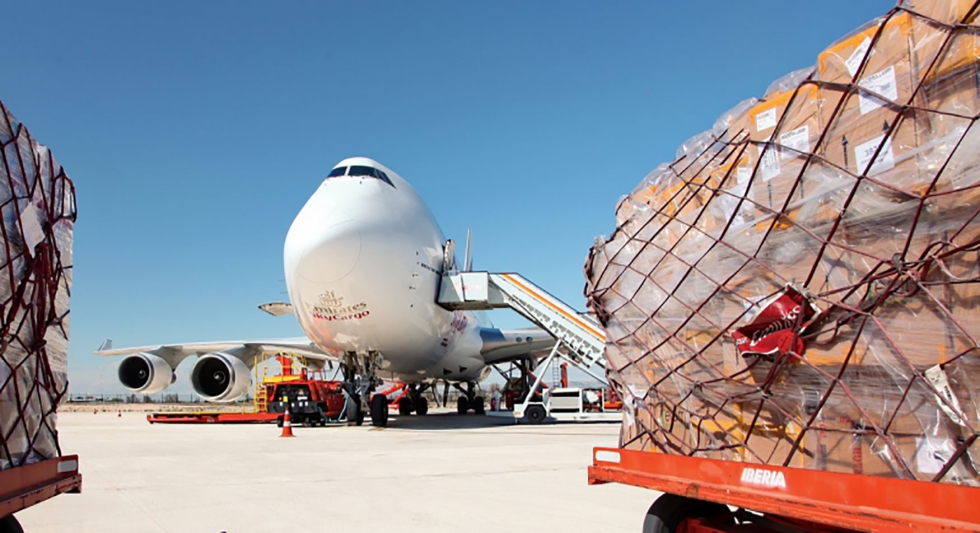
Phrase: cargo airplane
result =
(363, 261)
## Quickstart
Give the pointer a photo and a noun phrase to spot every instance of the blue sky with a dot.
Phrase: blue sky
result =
(194, 131)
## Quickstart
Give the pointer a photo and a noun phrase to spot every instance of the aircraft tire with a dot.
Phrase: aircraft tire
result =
(535, 414)
(462, 405)
(355, 415)
(404, 407)
(421, 406)
(479, 405)
(379, 411)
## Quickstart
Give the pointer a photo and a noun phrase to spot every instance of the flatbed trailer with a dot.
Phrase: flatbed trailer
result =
(774, 498)
(212, 418)
(24, 486)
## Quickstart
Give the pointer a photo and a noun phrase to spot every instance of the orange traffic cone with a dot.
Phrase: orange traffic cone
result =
(120, 414)
(287, 427)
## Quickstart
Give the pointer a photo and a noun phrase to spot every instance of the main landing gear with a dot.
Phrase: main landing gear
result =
(414, 401)
(471, 401)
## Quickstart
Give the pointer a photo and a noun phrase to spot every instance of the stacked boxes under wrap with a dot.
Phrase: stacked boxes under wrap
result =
(801, 286)
(37, 205)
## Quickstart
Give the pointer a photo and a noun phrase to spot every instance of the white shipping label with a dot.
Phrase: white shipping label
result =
(931, 454)
(857, 56)
(937, 376)
(742, 174)
(864, 152)
(768, 162)
(795, 142)
(765, 120)
(33, 232)
(883, 83)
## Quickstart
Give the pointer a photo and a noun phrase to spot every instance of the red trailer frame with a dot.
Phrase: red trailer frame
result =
(212, 418)
(805, 498)
(24, 486)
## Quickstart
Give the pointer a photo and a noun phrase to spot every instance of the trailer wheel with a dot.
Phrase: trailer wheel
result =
(670, 510)
(9, 524)
(279, 422)
(379, 411)
(535, 414)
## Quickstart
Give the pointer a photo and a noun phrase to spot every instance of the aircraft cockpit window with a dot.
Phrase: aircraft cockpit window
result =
(339, 171)
(384, 177)
(370, 172)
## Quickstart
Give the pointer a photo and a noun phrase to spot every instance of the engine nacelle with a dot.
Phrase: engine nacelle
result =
(220, 377)
(146, 373)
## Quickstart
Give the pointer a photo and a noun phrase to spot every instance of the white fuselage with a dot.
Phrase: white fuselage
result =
(363, 261)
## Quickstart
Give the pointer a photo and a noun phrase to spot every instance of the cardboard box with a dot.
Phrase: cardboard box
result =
(944, 11)
(939, 50)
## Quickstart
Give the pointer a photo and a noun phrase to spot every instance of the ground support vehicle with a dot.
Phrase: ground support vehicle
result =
(772, 498)
(311, 399)
(580, 340)
(24, 486)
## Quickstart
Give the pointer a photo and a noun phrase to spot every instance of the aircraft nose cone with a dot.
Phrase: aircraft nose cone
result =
(325, 245)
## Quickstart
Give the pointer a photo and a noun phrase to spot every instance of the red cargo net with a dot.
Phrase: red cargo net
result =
(37, 212)
(802, 285)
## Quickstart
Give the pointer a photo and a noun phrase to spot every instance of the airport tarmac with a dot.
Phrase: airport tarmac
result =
(441, 472)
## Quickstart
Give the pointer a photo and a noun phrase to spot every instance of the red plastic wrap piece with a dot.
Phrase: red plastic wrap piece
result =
(25, 486)
(861, 503)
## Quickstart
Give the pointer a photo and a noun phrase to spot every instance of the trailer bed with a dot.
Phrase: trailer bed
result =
(850, 501)
(212, 418)
(24, 486)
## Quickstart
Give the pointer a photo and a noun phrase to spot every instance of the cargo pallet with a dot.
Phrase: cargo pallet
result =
(24, 486)
(782, 498)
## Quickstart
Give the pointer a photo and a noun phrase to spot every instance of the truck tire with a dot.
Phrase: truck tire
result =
(535, 414)
(669, 510)
(379, 411)
(9, 524)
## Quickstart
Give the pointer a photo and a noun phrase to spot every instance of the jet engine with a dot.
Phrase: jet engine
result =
(146, 373)
(220, 377)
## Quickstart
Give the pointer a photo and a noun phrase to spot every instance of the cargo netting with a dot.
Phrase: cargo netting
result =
(37, 213)
(801, 286)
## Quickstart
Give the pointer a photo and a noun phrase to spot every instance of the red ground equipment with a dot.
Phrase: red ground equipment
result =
(783, 498)
(311, 399)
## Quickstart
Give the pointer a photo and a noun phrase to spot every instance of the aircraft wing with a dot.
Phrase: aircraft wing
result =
(277, 308)
(503, 345)
(295, 345)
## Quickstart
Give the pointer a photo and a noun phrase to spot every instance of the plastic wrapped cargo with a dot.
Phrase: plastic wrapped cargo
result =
(805, 289)
(37, 213)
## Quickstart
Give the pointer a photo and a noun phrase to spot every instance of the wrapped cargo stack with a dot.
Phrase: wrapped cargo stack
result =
(37, 204)
(801, 285)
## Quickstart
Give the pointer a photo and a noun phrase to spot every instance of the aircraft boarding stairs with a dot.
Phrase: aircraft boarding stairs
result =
(581, 340)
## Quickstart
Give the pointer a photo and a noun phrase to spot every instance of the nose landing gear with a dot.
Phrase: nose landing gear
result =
(360, 374)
